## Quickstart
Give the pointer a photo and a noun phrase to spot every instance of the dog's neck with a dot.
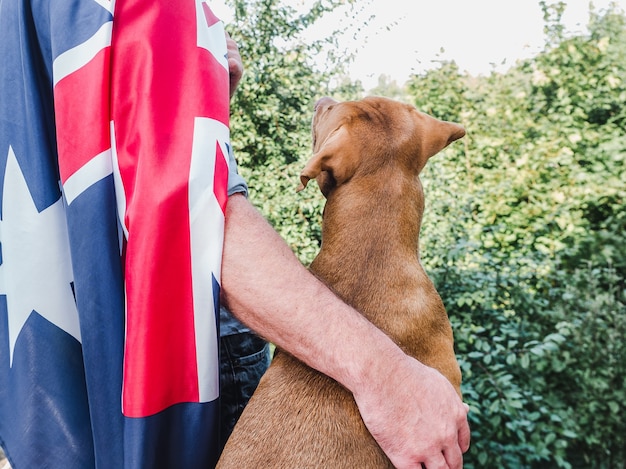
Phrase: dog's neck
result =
(370, 239)
(378, 219)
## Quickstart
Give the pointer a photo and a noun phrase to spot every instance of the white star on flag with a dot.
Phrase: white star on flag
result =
(36, 272)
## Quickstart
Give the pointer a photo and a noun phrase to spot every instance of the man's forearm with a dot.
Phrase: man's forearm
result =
(267, 288)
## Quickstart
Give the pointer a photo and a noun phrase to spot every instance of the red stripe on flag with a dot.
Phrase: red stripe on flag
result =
(220, 182)
(79, 107)
(161, 82)
(211, 19)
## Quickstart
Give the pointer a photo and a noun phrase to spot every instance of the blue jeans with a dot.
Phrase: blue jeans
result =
(244, 357)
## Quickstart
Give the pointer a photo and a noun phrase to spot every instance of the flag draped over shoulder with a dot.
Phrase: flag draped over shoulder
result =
(113, 181)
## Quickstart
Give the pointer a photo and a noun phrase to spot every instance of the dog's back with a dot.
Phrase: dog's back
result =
(368, 155)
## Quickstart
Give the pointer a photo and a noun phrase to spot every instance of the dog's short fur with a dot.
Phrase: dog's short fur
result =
(367, 158)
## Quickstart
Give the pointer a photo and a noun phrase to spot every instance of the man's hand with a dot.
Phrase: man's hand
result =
(235, 65)
(420, 419)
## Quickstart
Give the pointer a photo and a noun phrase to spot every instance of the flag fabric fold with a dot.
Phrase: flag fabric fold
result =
(114, 169)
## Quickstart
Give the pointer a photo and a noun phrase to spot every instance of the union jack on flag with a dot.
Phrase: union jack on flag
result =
(113, 186)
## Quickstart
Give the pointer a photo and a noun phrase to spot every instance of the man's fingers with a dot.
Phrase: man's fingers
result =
(464, 436)
(235, 65)
(438, 462)
(453, 457)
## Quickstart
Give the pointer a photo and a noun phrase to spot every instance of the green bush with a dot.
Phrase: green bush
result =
(525, 239)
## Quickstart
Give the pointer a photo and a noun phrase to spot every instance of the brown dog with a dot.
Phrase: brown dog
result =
(367, 158)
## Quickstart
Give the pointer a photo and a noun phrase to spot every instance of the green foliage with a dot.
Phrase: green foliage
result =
(389, 88)
(273, 108)
(525, 226)
(524, 236)
(272, 111)
(273, 101)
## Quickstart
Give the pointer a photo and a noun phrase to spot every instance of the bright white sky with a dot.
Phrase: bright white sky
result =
(405, 36)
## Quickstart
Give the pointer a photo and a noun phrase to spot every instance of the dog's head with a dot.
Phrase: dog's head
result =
(359, 136)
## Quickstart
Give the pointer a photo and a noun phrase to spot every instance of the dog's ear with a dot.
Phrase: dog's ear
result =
(440, 135)
(333, 163)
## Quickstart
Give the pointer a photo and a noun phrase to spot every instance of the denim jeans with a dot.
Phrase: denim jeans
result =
(244, 357)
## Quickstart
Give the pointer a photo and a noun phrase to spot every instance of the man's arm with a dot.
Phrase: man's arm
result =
(410, 409)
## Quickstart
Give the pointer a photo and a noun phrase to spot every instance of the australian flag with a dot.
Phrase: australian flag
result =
(113, 183)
